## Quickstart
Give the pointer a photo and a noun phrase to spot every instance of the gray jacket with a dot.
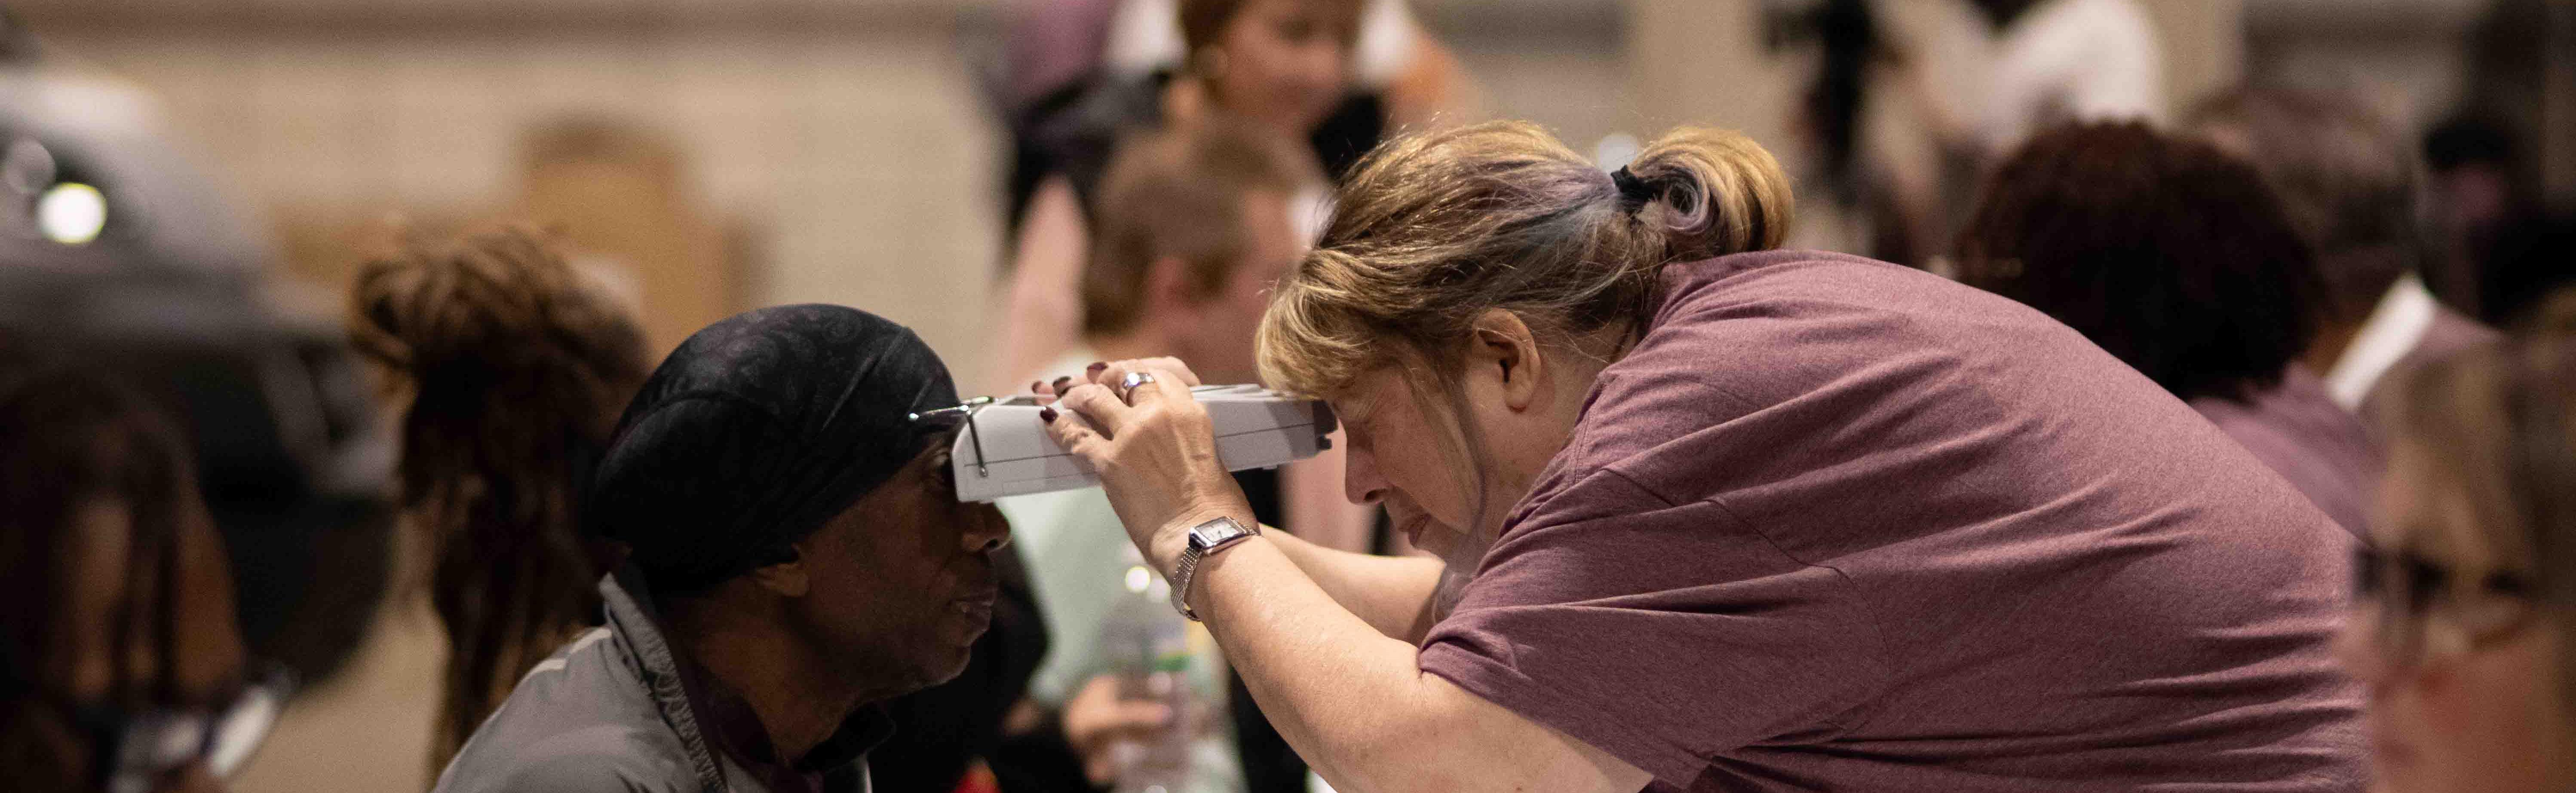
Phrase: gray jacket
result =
(610, 712)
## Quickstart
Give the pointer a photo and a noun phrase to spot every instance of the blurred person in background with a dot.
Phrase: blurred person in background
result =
(511, 371)
(1194, 226)
(2462, 621)
(2347, 182)
(797, 556)
(2476, 186)
(2061, 61)
(1283, 64)
(125, 668)
(118, 247)
(1721, 517)
(2499, 247)
(2178, 259)
(1911, 101)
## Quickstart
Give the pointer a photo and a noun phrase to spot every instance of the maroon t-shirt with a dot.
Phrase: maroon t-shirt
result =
(1835, 524)
(2298, 431)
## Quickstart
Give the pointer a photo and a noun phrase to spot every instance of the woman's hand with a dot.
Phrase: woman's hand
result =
(1154, 450)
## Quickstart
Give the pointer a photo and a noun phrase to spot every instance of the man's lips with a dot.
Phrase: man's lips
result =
(978, 603)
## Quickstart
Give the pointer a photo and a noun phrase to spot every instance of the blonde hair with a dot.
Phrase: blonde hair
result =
(2499, 424)
(1435, 229)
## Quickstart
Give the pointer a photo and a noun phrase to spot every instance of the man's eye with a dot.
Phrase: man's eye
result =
(943, 473)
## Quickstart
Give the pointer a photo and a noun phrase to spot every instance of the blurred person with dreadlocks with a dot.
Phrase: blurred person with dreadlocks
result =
(512, 373)
(125, 669)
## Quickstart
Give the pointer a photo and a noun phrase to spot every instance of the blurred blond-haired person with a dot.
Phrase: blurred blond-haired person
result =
(2463, 602)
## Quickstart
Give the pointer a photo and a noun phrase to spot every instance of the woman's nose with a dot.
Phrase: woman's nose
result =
(1360, 481)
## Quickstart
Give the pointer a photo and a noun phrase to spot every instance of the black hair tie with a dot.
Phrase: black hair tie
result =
(1633, 192)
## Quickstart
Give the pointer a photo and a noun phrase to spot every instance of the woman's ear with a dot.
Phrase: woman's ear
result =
(788, 578)
(1503, 346)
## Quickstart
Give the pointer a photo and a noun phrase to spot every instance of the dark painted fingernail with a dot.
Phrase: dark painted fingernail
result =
(1061, 382)
(1046, 415)
(1096, 367)
(1037, 386)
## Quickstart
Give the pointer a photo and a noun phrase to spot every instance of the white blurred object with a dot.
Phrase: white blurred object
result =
(1004, 449)
(71, 213)
(1615, 151)
(2073, 60)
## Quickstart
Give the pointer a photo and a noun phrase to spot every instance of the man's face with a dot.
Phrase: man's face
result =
(1219, 348)
(902, 583)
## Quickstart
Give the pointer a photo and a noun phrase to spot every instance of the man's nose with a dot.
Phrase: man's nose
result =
(986, 529)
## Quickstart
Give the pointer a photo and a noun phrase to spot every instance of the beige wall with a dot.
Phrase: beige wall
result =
(853, 144)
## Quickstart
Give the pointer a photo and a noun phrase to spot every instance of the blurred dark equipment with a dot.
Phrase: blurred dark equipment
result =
(2529, 261)
(2500, 250)
(112, 246)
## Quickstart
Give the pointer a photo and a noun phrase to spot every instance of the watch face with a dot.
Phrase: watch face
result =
(1213, 532)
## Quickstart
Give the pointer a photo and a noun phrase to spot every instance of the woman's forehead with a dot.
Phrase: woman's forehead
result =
(2426, 507)
(1367, 395)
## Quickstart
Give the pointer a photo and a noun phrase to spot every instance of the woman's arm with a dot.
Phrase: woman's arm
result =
(1353, 702)
(1350, 698)
(1390, 593)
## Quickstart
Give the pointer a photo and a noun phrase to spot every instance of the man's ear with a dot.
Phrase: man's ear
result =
(1168, 293)
(1505, 347)
(788, 578)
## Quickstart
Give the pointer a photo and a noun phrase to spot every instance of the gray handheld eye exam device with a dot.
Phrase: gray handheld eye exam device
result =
(1004, 449)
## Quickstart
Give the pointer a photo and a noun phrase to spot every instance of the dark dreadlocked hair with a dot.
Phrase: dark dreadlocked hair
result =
(515, 373)
(71, 436)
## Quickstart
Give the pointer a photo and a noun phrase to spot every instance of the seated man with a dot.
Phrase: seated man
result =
(798, 555)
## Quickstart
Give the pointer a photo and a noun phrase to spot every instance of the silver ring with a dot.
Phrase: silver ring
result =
(1127, 385)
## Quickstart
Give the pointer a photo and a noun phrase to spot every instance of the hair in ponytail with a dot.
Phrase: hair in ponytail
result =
(1433, 231)
(515, 372)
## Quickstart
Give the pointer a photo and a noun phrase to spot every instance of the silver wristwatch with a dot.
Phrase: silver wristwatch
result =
(1205, 538)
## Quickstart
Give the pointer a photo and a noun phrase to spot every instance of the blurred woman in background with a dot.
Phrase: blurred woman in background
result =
(124, 665)
(2179, 260)
(2462, 623)
(513, 372)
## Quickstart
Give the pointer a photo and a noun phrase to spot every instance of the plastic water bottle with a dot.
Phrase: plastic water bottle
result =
(1147, 645)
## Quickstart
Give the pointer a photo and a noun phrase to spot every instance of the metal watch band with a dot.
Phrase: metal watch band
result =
(1205, 539)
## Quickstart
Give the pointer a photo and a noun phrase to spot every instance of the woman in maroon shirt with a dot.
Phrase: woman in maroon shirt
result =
(1723, 518)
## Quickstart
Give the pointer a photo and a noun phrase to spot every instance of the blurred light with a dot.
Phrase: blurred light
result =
(1139, 579)
(71, 213)
(1615, 151)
